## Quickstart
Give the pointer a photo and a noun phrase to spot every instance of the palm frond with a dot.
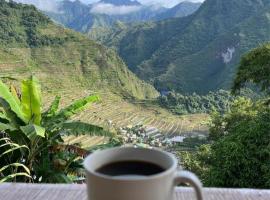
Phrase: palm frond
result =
(14, 148)
(12, 176)
(15, 165)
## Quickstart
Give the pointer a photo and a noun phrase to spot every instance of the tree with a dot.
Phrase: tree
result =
(241, 157)
(22, 121)
(240, 151)
(255, 68)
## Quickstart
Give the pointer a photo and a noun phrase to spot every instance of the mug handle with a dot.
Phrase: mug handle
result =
(188, 177)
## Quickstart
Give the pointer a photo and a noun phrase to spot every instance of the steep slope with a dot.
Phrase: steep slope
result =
(30, 43)
(196, 53)
(180, 10)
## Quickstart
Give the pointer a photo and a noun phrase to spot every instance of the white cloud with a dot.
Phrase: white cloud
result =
(166, 3)
(109, 9)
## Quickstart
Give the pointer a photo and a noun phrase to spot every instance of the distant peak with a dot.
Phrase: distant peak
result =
(121, 2)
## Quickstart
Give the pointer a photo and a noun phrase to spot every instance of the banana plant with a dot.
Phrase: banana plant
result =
(22, 119)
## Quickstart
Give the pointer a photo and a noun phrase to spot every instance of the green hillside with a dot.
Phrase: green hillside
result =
(30, 43)
(198, 53)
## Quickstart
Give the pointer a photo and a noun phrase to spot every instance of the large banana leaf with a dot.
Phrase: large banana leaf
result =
(32, 131)
(6, 126)
(53, 108)
(3, 118)
(76, 107)
(15, 94)
(7, 96)
(81, 128)
(9, 114)
(31, 100)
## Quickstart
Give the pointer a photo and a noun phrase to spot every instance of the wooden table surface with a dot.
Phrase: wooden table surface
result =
(78, 192)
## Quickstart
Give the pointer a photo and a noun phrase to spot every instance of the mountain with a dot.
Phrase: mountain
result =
(197, 53)
(63, 60)
(180, 10)
(105, 13)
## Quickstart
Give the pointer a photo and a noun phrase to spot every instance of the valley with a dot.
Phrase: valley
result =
(71, 66)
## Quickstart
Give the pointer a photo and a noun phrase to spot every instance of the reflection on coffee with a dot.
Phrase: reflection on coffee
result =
(137, 168)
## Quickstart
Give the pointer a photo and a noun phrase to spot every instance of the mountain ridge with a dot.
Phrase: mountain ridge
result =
(175, 54)
(84, 18)
(32, 44)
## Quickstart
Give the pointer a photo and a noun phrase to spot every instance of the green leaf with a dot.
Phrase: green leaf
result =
(4, 127)
(5, 139)
(31, 100)
(32, 131)
(13, 118)
(12, 176)
(3, 116)
(15, 165)
(15, 94)
(81, 128)
(77, 106)
(6, 96)
(60, 178)
(13, 149)
(53, 108)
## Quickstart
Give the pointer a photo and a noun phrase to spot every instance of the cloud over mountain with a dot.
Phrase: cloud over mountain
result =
(110, 9)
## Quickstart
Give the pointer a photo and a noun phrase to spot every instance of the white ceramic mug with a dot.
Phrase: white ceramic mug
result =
(155, 187)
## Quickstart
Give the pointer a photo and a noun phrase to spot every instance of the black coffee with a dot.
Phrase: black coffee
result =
(130, 168)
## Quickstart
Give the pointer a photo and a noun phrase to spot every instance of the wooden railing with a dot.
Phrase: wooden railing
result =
(78, 192)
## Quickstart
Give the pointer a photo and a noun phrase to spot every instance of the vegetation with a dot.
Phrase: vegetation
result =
(184, 104)
(198, 53)
(14, 15)
(219, 101)
(33, 146)
(240, 148)
(254, 68)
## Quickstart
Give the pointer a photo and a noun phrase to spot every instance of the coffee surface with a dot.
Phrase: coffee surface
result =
(137, 168)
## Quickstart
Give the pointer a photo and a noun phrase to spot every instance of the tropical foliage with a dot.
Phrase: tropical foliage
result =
(33, 146)
(219, 101)
(254, 68)
(184, 104)
(239, 153)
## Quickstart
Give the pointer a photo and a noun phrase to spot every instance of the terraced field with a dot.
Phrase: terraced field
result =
(113, 112)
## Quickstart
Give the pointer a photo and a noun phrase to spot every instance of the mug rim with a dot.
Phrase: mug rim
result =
(166, 172)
